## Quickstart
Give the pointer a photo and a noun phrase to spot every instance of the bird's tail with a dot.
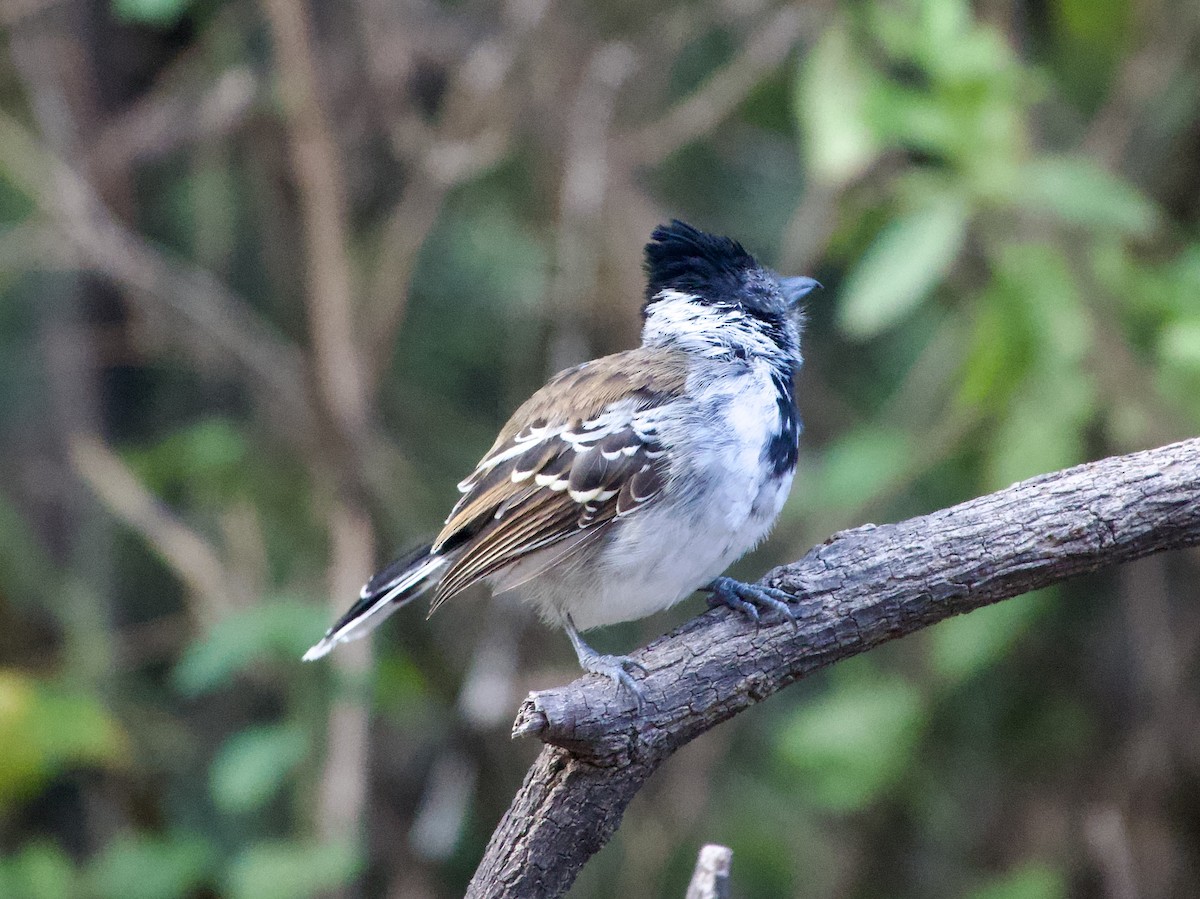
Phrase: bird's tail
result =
(404, 580)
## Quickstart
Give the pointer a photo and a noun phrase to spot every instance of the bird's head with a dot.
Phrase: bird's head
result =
(705, 292)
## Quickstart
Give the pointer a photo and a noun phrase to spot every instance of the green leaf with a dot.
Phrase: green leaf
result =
(135, 867)
(902, 265)
(1000, 353)
(25, 570)
(831, 99)
(45, 729)
(284, 870)
(1032, 881)
(850, 745)
(399, 686)
(1032, 332)
(967, 644)
(1030, 441)
(275, 629)
(1042, 291)
(162, 13)
(1079, 192)
(1178, 283)
(37, 871)
(1179, 344)
(253, 764)
(209, 455)
(857, 466)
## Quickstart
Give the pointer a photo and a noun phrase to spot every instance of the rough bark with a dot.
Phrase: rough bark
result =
(857, 590)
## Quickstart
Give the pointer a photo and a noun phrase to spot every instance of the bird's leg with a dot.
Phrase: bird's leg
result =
(615, 668)
(749, 598)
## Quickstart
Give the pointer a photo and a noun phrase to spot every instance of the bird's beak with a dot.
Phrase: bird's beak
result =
(796, 289)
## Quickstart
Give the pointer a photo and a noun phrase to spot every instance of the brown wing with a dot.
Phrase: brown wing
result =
(581, 452)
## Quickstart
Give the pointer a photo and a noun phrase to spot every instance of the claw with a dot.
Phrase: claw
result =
(637, 666)
(748, 598)
(615, 668)
(731, 600)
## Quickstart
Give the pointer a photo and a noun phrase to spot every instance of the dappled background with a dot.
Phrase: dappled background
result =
(273, 273)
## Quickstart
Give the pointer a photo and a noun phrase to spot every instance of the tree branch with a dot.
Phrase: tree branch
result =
(719, 95)
(192, 558)
(857, 590)
(204, 315)
(340, 381)
(710, 880)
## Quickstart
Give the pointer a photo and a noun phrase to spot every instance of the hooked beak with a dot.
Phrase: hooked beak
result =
(797, 288)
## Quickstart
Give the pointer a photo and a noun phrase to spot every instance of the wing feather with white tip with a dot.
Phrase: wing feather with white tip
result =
(579, 454)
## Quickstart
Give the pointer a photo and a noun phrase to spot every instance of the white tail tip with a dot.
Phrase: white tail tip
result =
(320, 650)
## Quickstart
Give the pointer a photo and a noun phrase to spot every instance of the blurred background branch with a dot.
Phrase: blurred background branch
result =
(198, 564)
(338, 371)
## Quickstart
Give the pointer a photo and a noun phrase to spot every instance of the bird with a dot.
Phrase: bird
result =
(627, 483)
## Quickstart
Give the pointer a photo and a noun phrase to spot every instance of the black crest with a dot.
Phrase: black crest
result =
(680, 257)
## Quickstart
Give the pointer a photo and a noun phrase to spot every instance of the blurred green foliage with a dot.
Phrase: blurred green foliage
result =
(1001, 200)
(275, 631)
(45, 730)
(850, 745)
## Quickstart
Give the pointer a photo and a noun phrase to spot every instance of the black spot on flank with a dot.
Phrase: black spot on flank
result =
(782, 450)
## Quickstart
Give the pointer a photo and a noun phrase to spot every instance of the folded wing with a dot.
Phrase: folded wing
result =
(580, 454)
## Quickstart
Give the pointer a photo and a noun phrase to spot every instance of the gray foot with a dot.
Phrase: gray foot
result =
(615, 668)
(750, 598)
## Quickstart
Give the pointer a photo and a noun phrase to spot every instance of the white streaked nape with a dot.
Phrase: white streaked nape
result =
(684, 320)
